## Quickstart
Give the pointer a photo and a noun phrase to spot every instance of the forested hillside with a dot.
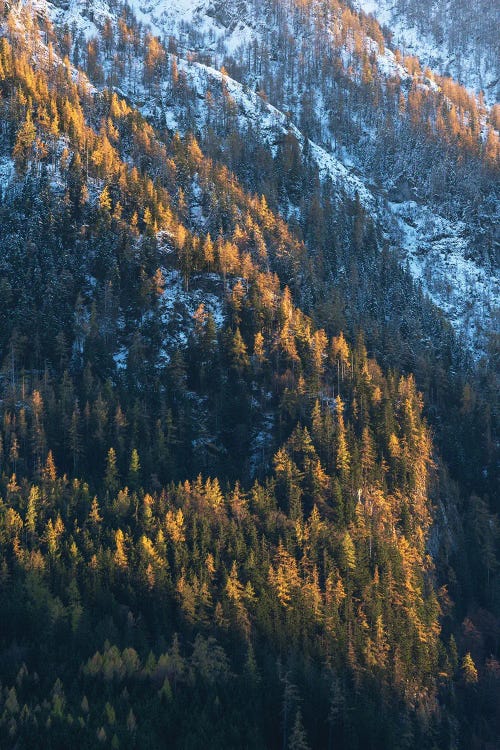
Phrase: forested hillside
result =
(247, 468)
(458, 38)
(420, 150)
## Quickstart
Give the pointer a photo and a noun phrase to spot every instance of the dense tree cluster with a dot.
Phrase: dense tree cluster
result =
(215, 504)
(324, 561)
(463, 34)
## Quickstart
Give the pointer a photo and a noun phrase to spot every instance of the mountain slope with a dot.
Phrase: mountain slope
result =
(447, 236)
(222, 521)
(246, 575)
(456, 38)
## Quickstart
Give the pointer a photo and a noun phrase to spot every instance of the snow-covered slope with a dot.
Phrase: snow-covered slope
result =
(445, 40)
(439, 250)
(225, 26)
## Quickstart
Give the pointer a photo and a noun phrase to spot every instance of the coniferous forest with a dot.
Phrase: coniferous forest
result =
(248, 465)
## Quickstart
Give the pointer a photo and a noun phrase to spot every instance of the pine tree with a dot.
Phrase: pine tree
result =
(348, 552)
(111, 474)
(23, 147)
(343, 459)
(31, 511)
(469, 670)
(134, 470)
(298, 737)
(94, 515)
(49, 473)
(239, 356)
(120, 556)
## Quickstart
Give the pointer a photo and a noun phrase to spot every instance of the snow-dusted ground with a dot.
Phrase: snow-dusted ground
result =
(179, 305)
(200, 24)
(438, 255)
(79, 15)
(470, 68)
(438, 251)
(6, 173)
(269, 122)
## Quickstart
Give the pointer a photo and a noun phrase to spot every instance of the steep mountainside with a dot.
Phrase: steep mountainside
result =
(417, 148)
(456, 38)
(247, 467)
